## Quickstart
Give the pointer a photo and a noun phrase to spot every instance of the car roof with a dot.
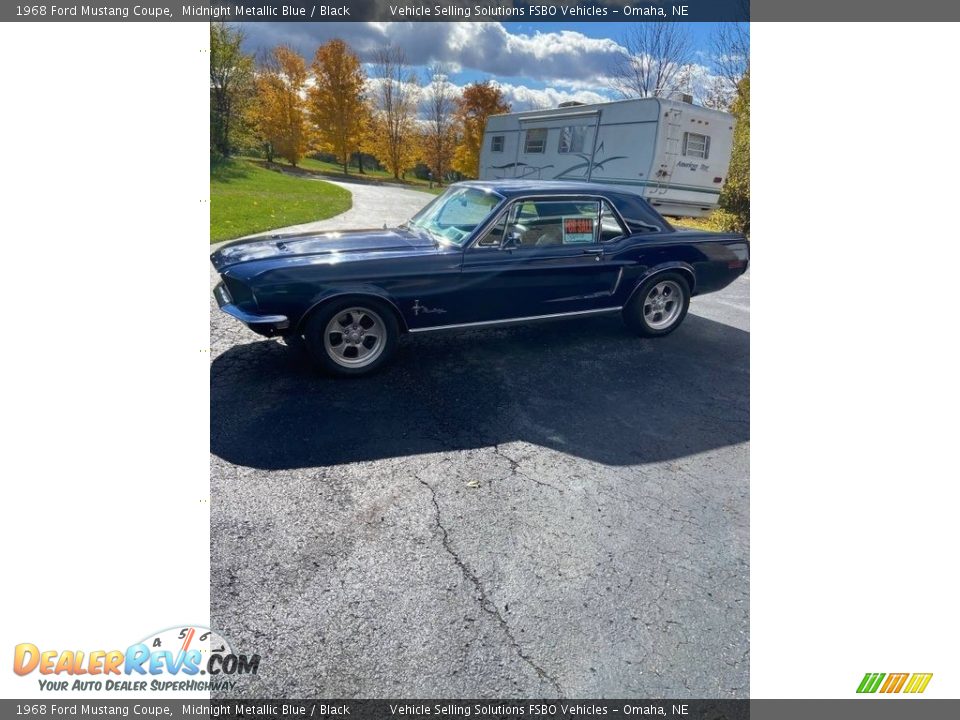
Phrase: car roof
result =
(633, 208)
(510, 188)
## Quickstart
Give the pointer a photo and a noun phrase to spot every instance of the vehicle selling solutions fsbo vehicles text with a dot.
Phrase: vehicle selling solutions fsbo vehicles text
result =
(467, 12)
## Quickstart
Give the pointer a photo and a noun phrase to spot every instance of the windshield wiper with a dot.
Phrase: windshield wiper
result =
(423, 232)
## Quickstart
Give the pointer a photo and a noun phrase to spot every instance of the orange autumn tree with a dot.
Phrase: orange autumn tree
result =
(336, 100)
(280, 113)
(479, 101)
(438, 135)
(395, 91)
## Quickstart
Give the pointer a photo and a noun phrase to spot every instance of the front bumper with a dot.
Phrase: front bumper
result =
(263, 324)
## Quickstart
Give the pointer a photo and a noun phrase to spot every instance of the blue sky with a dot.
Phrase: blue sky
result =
(536, 64)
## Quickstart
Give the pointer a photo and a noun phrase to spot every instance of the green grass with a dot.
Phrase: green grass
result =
(332, 170)
(247, 198)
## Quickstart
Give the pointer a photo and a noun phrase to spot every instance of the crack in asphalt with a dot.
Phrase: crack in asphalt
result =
(515, 470)
(487, 605)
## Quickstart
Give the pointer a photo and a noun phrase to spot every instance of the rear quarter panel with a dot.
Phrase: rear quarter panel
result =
(714, 259)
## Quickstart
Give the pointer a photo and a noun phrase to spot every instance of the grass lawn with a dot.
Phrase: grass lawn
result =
(336, 171)
(246, 198)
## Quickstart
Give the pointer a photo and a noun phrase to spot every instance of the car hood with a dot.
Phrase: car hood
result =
(345, 242)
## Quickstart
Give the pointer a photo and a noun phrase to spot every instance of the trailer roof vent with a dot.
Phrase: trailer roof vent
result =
(571, 103)
(682, 97)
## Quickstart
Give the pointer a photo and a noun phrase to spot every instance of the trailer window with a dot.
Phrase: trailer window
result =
(496, 143)
(535, 140)
(573, 138)
(696, 145)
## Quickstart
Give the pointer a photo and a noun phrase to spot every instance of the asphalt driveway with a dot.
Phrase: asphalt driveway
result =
(559, 509)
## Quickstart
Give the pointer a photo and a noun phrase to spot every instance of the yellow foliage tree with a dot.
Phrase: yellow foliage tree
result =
(438, 135)
(280, 113)
(336, 100)
(395, 94)
(735, 198)
(478, 102)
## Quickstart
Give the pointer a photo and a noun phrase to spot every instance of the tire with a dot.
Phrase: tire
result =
(351, 337)
(295, 342)
(659, 306)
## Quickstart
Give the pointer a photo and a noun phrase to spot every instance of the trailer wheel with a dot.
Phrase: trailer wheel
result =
(659, 306)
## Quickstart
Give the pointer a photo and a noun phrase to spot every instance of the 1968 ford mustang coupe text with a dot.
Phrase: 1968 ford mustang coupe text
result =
(481, 254)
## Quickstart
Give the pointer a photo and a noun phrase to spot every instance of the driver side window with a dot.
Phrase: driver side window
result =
(494, 236)
(522, 215)
(555, 223)
(546, 223)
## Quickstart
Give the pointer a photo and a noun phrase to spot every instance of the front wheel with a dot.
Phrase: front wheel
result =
(351, 337)
(659, 306)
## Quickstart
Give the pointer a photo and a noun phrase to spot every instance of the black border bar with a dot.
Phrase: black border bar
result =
(873, 708)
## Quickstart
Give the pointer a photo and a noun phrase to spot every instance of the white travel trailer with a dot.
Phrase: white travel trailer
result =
(674, 153)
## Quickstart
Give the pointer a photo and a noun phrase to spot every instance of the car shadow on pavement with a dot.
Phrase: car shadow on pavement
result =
(588, 388)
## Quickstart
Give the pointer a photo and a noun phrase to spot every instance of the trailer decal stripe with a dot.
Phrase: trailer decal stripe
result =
(649, 183)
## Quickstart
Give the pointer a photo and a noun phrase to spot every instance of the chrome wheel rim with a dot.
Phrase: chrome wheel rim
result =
(662, 305)
(355, 337)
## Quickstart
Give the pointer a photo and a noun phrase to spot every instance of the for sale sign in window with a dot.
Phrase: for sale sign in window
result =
(577, 230)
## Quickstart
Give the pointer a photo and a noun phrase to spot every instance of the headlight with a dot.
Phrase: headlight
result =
(222, 295)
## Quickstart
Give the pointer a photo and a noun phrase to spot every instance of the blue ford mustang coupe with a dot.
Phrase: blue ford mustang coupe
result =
(482, 254)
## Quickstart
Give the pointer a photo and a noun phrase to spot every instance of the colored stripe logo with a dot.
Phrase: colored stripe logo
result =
(894, 682)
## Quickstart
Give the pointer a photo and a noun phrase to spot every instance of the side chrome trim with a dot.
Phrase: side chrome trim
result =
(518, 321)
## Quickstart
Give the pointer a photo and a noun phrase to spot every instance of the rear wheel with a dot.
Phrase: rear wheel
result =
(659, 306)
(351, 337)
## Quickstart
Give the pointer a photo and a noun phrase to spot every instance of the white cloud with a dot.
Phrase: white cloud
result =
(522, 97)
(571, 65)
(483, 47)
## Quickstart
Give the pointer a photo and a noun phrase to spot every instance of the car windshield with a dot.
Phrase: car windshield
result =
(456, 213)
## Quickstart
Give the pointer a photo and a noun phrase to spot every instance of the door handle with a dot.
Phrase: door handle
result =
(593, 251)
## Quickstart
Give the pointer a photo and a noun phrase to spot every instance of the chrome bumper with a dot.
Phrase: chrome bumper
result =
(225, 302)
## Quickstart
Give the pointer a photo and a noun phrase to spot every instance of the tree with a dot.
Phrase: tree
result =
(731, 49)
(438, 133)
(717, 93)
(735, 197)
(706, 88)
(231, 87)
(365, 135)
(336, 101)
(280, 108)
(395, 93)
(654, 55)
(478, 102)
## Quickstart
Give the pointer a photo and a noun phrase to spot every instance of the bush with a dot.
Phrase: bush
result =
(719, 220)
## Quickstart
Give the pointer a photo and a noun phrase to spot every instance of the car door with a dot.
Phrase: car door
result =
(542, 257)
